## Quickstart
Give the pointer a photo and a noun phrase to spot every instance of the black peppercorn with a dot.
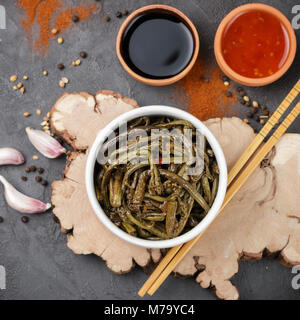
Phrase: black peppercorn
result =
(242, 101)
(27, 169)
(75, 18)
(33, 168)
(60, 66)
(1, 219)
(38, 179)
(24, 178)
(83, 54)
(228, 94)
(24, 219)
(107, 18)
(225, 78)
(44, 183)
(41, 170)
(125, 12)
(119, 14)
(253, 110)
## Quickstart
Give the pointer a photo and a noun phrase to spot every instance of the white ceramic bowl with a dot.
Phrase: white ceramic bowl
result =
(156, 111)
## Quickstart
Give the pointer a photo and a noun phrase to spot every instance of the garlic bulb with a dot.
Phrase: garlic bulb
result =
(21, 202)
(45, 144)
(11, 156)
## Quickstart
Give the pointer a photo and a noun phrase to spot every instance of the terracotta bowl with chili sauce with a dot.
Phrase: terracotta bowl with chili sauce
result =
(255, 44)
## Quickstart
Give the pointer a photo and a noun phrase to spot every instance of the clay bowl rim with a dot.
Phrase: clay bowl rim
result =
(255, 81)
(162, 8)
(155, 110)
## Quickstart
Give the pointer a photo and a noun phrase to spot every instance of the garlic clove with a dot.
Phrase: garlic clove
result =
(45, 144)
(11, 156)
(21, 202)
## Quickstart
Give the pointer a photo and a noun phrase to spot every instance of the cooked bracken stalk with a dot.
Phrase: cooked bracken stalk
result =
(147, 196)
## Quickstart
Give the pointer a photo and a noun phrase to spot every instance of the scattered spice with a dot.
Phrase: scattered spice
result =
(35, 157)
(77, 62)
(125, 12)
(25, 77)
(60, 66)
(119, 14)
(107, 18)
(54, 31)
(226, 83)
(246, 98)
(61, 84)
(1, 219)
(50, 17)
(24, 178)
(24, 219)
(15, 88)
(27, 114)
(65, 80)
(13, 78)
(19, 85)
(60, 40)
(22, 90)
(204, 92)
(33, 168)
(255, 104)
(38, 112)
(27, 169)
(45, 72)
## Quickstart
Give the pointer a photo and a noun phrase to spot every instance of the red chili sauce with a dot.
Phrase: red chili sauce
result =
(255, 44)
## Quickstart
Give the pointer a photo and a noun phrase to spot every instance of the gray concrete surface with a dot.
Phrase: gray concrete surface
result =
(38, 263)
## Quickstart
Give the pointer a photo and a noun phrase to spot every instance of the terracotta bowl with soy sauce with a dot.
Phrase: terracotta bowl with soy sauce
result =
(255, 44)
(157, 45)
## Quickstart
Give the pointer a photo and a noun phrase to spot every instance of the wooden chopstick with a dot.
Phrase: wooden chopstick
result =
(232, 174)
(285, 104)
(235, 187)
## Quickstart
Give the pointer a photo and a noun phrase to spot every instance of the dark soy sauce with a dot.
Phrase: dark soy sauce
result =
(157, 45)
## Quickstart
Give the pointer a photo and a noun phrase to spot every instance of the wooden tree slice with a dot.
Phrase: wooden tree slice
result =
(263, 215)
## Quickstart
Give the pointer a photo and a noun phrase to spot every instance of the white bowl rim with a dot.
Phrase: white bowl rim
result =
(155, 110)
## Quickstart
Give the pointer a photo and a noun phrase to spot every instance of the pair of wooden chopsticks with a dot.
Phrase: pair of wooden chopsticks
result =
(236, 178)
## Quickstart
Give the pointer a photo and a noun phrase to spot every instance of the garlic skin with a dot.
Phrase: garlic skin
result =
(20, 202)
(45, 144)
(11, 156)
